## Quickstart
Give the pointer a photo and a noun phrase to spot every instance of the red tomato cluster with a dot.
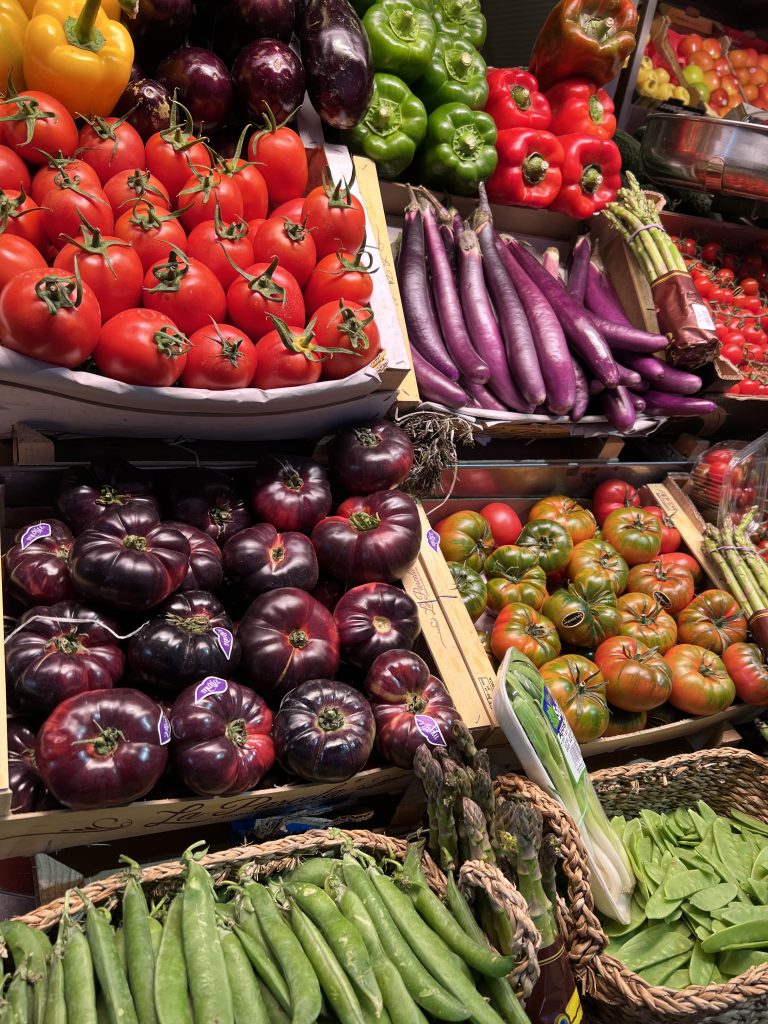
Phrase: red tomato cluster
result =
(735, 287)
(165, 263)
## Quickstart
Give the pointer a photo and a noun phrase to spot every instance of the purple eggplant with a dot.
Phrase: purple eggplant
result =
(627, 379)
(261, 19)
(618, 408)
(416, 293)
(551, 261)
(481, 323)
(434, 386)
(647, 366)
(663, 376)
(337, 56)
(577, 274)
(548, 336)
(203, 85)
(661, 403)
(148, 106)
(628, 337)
(582, 392)
(579, 329)
(457, 341)
(158, 27)
(600, 296)
(521, 351)
(481, 398)
(638, 401)
(268, 75)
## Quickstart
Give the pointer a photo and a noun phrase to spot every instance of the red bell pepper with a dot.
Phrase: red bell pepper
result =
(579, 106)
(528, 171)
(514, 100)
(591, 175)
(592, 38)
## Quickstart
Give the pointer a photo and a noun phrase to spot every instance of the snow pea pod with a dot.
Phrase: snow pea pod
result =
(746, 935)
(715, 896)
(702, 966)
(654, 945)
(681, 884)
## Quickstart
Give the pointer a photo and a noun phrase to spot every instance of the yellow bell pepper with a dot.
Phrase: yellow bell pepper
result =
(663, 75)
(680, 93)
(646, 65)
(665, 91)
(77, 54)
(13, 28)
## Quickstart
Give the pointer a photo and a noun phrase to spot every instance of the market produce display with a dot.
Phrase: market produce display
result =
(181, 621)
(698, 911)
(341, 934)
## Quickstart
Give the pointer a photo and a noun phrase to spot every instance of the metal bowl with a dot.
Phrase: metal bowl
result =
(707, 154)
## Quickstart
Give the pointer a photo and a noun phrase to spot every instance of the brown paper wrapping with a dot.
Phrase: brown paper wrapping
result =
(684, 317)
(554, 999)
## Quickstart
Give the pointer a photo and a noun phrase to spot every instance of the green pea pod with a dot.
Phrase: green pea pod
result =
(206, 969)
(247, 1003)
(156, 935)
(425, 990)
(79, 981)
(55, 1001)
(747, 935)
(30, 948)
(21, 1002)
(333, 981)
(171, 987)
(314, 869)
(265, 967)
(107, 965)
(276, 1013)
(343, 938)
(303, 986)
(139, 949)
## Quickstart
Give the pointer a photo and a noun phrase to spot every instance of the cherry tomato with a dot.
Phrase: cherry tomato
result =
(16, 255)
(339, 276)
(49, 316)
(749, 387)
(729, 259)
(733, 353)
(152, 234)
(41, 126)
(67, 203)
(687, 246)
(110, 145)
(286, 357)
(109, 266)
(62, 168)
(282, 162)
(251, 183)
(171, 155)
(711, 252)
(261, 291)
(750, 286)
(186, 291)
(14, 173)
(211, 242)
(725, 276)
(720, 296)
(204, 193)
(141, 346)
(349, 326)
(290, 242)
(21, 216)
(125, 189)
(220, 358)
(335, 217)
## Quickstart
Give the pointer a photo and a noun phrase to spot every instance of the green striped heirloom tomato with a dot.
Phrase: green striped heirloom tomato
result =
(748, 671)
(596, 554)
(515, 576)
(585, 613)
(523, 627)
(671, 586)
(634, 533)
(645, 620)
(578, 686)
(577, 520)
(550, 541)
(471, 586)
(712, 620)
(623, 723)
(465, 537)
(700, 681)
(637, 677)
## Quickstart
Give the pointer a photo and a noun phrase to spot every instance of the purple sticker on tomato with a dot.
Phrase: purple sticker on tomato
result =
(211, 684)
(224, 638)
(433, 539)
(164, 729)
(430, 730)
(33, 533)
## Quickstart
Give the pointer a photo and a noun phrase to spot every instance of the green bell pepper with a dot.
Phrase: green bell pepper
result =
(459, 149)
(391, 128)
(402, 38)
(361, 6)
(462, 19)
(455, 75)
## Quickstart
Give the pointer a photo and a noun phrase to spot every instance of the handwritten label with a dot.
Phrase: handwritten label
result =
(430, 730)
(224, 639)
(164, 729)
(33, 533)
(211, 684)
(433, 539)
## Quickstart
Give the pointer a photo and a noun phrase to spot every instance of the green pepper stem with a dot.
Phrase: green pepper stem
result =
(83, 32)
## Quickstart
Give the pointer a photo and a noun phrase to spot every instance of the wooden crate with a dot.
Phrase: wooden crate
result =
(27, 495)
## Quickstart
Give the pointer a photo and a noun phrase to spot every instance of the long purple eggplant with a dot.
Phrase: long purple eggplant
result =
(577, 274)
(457, 341)
(661, 403)
(627, 337)
(649, 367)
(481, 397)
(582, 392)
(481, 322)
(434, 386)
(521, 351)
(551, 261)
(576, 323)
(416, 294)
(663, 376)
(638, 401)
(600, 296)
(548, 337)
(627, 379)
(445, 222)
(618, 408)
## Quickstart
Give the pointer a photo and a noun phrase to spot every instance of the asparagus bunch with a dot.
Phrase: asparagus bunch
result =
(637, 220)
(742, 567)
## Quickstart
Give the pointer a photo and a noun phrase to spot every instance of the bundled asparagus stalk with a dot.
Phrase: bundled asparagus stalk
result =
(636, 219)
(743, 569)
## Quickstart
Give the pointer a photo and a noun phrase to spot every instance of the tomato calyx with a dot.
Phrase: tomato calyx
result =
(195, 625)
(264, 283)
(28, 110)
(10, 207)
(171, 343)
(180, 137)
(66, 183)
(135, 542)
(338, 193)
(415, 703)
(104, 131)
(364, 521)
(105, 743)
(300, 342)
(367, 437)
(330, 719)
(55, 290)
(220, 514)
(270, 123)
(206, 183)
(58, 161)
(232, 232)
(277, 553)
(170, 275)
(138, 182)
(92, 244)
(232, 166)
(109, 495)
(68, 643)
(236, 732)
(230, 350)
(353, 327)
(150, 220)
(296, 232)
(298, 638)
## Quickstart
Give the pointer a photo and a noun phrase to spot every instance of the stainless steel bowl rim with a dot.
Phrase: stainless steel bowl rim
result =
(720, 121)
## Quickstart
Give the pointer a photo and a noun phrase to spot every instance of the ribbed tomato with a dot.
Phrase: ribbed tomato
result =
(596, 554)
(670, 586)
(748, 671)
(634, 533)
(712, 620)
(637, 677)
(645, 620)
(515, 576)
(586, 613)
(522, 627)
(578, 686)
(465, 537)
(577, 520)
(700, 681)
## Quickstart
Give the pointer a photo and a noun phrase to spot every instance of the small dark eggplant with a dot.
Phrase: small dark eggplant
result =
(203, 84)
(148, 106)
(337, 56)
(268, 75)
(262, 19)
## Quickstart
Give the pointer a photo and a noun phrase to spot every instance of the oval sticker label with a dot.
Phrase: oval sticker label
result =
(211, 684)
(224, 639)
(33, 533)
(164, 729)
(430, 730)
(661, 599)
(433, 539)
(574, 619)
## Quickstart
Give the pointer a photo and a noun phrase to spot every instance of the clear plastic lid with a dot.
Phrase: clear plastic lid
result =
(731, 478)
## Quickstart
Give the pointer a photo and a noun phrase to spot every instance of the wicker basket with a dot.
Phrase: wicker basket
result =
(265, 859)
(726, 779)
